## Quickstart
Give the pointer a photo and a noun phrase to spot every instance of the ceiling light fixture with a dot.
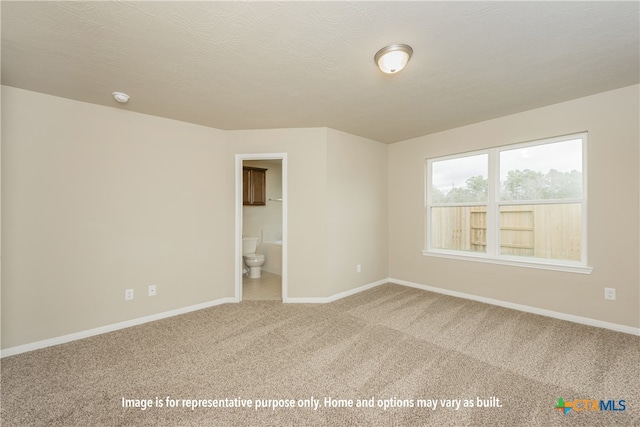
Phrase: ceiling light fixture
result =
(393, 58)
(121, 97)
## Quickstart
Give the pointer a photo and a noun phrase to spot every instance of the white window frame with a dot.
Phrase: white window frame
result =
(493, 205)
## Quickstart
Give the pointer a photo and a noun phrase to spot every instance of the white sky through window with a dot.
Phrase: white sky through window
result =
(448, 174)
(562, 156)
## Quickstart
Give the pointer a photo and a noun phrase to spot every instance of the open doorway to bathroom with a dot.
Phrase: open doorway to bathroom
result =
(261, 226)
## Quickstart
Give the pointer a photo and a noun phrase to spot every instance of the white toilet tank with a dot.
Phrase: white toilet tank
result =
(249, 245)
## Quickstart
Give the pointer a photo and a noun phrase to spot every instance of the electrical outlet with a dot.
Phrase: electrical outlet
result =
(128, 294)
(152, 290)
(359, 268)
(610, 293)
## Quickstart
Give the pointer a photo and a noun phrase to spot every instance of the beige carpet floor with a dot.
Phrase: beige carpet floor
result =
(391, 345)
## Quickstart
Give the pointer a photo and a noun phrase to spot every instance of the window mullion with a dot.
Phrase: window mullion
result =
(493, 189)
(427, 206)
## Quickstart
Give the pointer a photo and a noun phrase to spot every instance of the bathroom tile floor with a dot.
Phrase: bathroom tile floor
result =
(267, 287)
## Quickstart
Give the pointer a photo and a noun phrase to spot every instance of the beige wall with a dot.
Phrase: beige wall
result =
(612, 120)
(307, 191)
(337, 206)
(97, 200)
(357, 211)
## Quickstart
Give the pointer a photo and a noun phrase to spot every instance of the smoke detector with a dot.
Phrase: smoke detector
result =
(121, 97)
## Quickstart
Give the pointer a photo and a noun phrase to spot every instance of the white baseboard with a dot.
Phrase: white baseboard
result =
(534, 310)
(139, 321)
(318, 300)
(323, 300)
(110, 328)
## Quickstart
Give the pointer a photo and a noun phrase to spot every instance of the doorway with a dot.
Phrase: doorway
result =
(271, 240)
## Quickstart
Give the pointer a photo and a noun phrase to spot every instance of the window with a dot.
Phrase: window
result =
(522, 204)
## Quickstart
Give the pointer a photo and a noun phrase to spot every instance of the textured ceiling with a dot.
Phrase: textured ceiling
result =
(259, 65)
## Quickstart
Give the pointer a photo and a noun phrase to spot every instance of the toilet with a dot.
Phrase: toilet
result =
(252, 260)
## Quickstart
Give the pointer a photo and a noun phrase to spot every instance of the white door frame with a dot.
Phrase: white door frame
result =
(260, 156)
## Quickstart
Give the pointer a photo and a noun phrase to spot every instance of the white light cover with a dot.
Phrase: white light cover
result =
(393, 58)
(393, 62)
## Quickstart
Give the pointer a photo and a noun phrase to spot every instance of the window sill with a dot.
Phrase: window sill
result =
(570, 268)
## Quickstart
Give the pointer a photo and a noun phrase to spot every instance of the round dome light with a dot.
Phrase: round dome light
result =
(393, 58)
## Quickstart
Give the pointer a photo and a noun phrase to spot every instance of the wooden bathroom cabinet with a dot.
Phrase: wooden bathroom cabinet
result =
(254, 186)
